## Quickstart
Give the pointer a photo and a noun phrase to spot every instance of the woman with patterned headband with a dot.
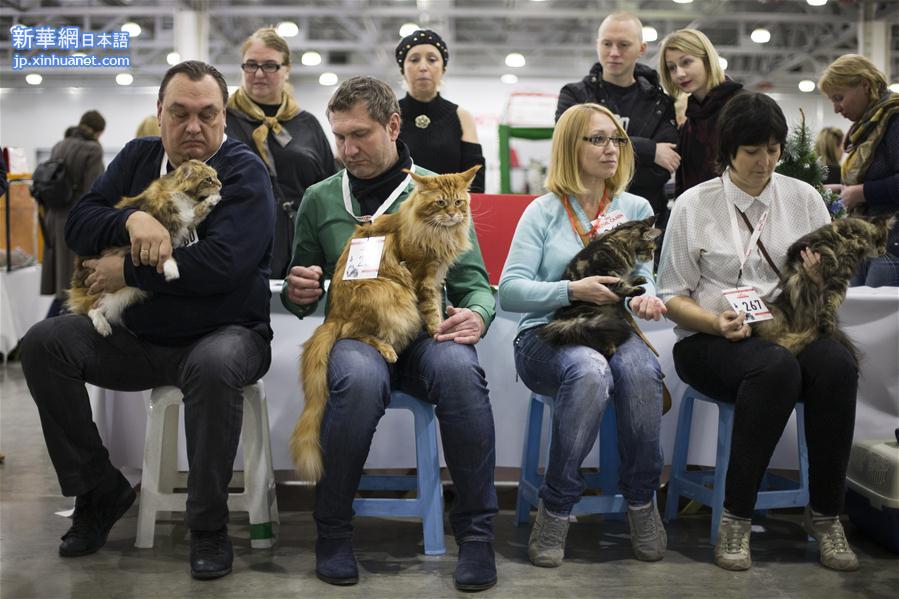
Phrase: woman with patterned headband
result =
(441, 136)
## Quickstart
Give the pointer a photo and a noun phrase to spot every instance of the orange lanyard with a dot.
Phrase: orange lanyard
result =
(586, 237)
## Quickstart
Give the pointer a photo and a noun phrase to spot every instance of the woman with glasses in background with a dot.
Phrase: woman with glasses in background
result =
(591, 163)
(263, 114)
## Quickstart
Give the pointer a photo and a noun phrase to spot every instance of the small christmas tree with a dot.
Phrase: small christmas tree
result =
(800, 162)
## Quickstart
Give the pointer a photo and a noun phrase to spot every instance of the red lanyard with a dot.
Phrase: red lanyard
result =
(586, 237)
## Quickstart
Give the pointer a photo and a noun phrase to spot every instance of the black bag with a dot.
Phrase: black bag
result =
(51, 185)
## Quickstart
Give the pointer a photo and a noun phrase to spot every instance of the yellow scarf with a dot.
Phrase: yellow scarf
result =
(289, 108)
(865, 135)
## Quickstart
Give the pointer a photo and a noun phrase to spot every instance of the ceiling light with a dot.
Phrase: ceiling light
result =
(131, 28)
(288, 29)
(232, 89)
(509, 78)
(33, 78)
(683, 1)
(124, 79)
(515, 60)
(408, 29)
(173, 58)
(816, 2)
(311, 58)
(327, 79)
(806, 86)
(650, 34)
(894, 88)
(723, 62)
(760, 35)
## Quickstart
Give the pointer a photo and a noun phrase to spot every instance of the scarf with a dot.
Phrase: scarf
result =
(289, 108)
(865, 135)
(371, 193)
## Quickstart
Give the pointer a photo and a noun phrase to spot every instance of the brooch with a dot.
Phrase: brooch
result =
(422, 121)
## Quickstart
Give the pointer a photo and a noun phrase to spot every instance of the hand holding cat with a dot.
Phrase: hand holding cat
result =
(462, 326)
(304, 284)
(811, 262)
(733, 326)
(852, 196)
(648, 307)
(151, 244)
(108, 275)
(593, 289)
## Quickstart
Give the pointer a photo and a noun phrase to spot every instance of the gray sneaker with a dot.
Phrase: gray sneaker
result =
(546, 547)
(836, 553)
(648, 536)
(732, 548)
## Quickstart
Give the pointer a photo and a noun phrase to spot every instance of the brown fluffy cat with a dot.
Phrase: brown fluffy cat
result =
(614, 253)
(804, 310)
(179, 200)
(423, 238)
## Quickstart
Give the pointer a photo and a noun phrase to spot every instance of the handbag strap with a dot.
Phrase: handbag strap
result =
(760, 245)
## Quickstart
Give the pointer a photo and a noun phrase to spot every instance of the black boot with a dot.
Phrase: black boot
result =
(95, 513)
(335, 562)
(476, 570)
(211, 554)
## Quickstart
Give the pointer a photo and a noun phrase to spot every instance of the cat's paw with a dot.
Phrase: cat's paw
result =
(170, 270)
(638, 281)
(213, 200)
(101, 325)
(388, 353)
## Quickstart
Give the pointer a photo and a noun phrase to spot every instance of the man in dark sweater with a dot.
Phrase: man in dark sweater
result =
(632, 92)
(207, 332)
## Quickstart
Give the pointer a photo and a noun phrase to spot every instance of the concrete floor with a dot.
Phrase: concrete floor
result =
(598, 556)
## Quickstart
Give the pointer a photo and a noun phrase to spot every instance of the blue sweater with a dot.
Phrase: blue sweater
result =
(543, 245)
(224, 276)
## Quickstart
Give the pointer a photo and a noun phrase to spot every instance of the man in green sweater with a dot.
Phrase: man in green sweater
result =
(365, 118)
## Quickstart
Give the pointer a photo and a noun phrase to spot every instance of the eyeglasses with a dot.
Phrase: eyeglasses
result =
(267, 67)
(603, 140)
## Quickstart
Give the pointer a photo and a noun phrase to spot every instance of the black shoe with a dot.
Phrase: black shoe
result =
(211, 554)
(476, 570)
(334, 561)
(95, 513)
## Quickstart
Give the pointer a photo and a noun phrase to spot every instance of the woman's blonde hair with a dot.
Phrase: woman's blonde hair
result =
(696, 44)
(563, 176)
(851, 70)
(270, 38)
(148, 127)
(829, 145)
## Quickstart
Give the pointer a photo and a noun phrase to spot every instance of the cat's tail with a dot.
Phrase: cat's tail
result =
(304, 443)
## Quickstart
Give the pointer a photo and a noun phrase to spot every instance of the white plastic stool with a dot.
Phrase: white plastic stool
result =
(160, 474)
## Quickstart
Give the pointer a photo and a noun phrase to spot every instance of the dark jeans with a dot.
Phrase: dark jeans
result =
(765, 381)
(882, 271)
(445, 374)
(60, 354)
(582, 382)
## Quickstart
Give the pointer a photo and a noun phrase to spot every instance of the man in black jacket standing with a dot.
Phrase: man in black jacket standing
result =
(632, 92)
(207, 332)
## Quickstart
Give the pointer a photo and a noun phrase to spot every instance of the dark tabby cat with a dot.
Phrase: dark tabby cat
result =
(804, 310)
(179, 200)
(423, 239)
(614, 253)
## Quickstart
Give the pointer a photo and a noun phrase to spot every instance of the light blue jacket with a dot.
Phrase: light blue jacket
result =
(543, 245)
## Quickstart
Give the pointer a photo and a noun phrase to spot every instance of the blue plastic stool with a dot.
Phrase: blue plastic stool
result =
(610, 502)
(428, 504)
(706, 486)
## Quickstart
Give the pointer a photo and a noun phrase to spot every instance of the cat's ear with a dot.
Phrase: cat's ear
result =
(883, 220)
(470, 173)
(417, 178)
(651, 234)
(649, 221)
(186, 168)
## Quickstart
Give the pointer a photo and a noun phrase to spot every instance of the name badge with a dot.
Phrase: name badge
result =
(747, 300)
(608, 221)
(192, 236)
(364, 259)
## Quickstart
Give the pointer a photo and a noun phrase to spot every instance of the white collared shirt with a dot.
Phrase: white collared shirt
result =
(699, 258)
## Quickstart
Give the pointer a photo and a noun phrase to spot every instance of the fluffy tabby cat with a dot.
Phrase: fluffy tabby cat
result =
(423, 238)
(179, 200)
(614, 253)
(804, 310)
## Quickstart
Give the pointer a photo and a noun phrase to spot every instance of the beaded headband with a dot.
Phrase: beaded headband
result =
(422, 36)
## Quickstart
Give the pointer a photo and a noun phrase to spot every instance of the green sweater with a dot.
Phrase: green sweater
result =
(323, 227)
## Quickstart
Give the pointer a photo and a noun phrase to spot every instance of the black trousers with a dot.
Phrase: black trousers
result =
(60, 354)
(765, 381)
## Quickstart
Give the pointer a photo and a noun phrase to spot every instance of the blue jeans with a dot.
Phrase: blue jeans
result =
(445, 374)
(581, 381)
(882, 271)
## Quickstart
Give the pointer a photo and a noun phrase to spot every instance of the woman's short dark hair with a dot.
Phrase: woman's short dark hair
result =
(749, 119)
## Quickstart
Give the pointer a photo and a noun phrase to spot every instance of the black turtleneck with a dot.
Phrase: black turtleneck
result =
(371, 193)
